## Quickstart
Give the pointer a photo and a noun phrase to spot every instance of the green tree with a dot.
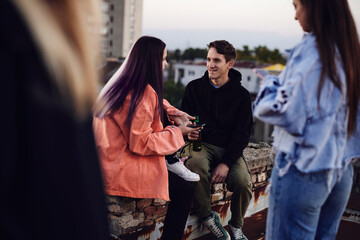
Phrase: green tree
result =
(276, 57)
(192, 53)
(174, 55)
(263, 54)
(259, 53)
(247, 52)
(173, 92)
(244, 54)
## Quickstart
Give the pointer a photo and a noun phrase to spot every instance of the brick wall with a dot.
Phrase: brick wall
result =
(130, 217)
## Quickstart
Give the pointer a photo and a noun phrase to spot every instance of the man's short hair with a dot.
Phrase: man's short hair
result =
(225, 48)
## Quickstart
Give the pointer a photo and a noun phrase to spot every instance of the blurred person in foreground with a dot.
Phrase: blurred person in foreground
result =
(132, 137)
(220, 101)
(50, 178)
(314, 105)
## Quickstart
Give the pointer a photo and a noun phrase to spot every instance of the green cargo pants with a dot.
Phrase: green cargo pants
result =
(238, 181)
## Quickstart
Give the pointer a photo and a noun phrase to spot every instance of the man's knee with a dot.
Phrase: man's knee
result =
(198, 165)
(239, 182)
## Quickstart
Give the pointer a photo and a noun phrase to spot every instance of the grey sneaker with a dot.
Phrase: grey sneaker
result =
(236, 233)
(179, 169)
(214, 225)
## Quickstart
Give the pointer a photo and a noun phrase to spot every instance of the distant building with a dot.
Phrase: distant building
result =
(190, 70)
(185, 72)
(123, 22)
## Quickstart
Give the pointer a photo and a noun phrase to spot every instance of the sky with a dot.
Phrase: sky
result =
(194, 23)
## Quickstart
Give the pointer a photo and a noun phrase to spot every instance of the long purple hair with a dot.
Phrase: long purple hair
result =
(142, 67)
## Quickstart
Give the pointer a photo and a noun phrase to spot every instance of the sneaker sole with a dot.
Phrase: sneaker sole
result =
(187, 179)
(192, 179)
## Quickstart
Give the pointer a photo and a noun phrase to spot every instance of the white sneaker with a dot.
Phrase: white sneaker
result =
(179, 169)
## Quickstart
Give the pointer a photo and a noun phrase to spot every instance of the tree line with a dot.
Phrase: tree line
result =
(260, 54)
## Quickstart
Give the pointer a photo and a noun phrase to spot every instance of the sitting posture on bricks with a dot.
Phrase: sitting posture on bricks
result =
(225, 106)
(131, 138)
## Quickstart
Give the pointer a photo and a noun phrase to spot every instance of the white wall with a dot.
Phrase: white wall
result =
(190, 72)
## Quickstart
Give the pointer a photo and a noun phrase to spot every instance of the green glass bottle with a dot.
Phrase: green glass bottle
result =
(197, 143)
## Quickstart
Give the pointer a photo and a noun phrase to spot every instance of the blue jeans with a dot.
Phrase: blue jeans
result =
(304, 206)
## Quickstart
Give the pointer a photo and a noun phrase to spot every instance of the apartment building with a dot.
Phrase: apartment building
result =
(123, 23)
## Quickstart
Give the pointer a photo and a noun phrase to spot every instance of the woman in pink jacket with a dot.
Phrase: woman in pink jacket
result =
(131, 139)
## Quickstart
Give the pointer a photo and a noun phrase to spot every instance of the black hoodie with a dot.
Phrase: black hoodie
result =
(225, 110)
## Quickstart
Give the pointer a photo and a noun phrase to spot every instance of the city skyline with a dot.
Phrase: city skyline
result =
(185, 23)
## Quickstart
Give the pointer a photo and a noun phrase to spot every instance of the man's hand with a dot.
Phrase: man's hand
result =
(194, 135)
(220, 173)
(178, 120)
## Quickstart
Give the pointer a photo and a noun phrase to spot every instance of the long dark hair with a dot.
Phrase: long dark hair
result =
(334, 28)
(142, 67)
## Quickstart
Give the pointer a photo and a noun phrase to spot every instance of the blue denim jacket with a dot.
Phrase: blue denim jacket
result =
(352, 149)
(311, 133)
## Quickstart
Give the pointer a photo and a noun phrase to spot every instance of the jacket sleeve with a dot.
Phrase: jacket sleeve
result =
(146, 134)
(241, 134)
(282, 105)
(171, 111)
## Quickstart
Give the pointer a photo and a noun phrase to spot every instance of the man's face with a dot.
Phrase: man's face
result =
(217, 66)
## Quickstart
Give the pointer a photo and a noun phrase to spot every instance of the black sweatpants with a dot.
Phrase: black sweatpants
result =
(181, 195)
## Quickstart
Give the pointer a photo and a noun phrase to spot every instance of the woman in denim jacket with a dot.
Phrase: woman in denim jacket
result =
(314, 106)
